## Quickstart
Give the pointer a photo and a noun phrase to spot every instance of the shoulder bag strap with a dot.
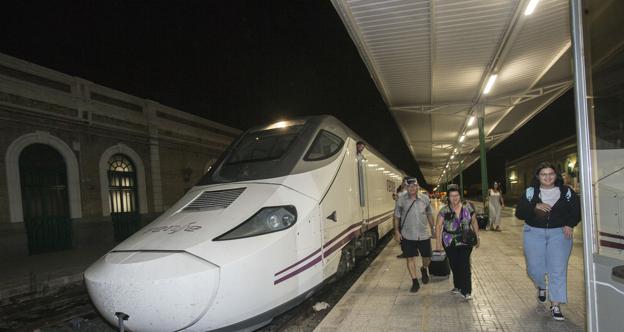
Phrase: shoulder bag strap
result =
(403, 219)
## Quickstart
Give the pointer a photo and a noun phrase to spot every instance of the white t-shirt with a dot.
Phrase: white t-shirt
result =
(550, 196)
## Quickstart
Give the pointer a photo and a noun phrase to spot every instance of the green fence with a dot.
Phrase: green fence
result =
(46, 234)
(125, 224)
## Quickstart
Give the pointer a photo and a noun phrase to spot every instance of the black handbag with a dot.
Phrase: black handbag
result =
(468, 236)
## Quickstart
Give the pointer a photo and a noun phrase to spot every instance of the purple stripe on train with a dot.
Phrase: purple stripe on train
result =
(328, 251)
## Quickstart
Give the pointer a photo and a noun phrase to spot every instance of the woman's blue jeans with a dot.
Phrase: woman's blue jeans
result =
(547, 252)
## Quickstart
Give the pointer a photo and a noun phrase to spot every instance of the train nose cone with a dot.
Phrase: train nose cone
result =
(160, 291)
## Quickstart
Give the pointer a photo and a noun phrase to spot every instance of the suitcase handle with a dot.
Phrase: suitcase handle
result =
(438, 255)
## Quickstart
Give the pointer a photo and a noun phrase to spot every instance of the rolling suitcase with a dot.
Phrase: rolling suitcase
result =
(483, 220)
(439, 265)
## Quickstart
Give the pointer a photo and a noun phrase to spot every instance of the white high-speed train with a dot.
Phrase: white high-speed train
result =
(286, 207)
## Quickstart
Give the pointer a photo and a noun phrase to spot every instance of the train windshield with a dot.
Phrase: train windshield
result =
(263, 145)
(266, 153)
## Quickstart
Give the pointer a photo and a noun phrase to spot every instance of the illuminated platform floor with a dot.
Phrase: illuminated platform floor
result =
(504, 297)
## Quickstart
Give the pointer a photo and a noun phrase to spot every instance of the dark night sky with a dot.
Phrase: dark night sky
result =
(241, 63)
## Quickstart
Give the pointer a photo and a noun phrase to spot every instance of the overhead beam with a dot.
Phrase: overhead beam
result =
(429, 108)
(509, 100)
(504, 46)
(537, 79)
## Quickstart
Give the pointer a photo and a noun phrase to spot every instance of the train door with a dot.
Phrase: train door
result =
(362, 190)
(599, 92)
(43, 177)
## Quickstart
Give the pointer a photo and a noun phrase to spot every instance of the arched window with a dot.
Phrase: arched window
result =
(122, 184)
(122, 190)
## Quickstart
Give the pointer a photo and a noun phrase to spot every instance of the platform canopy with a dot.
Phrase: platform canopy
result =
(432, 60)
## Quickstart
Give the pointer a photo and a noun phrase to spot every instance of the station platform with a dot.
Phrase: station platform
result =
(504, 296)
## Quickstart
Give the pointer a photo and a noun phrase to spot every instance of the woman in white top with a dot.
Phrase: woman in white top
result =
(496, 205)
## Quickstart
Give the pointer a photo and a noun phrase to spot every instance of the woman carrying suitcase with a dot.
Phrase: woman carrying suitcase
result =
(452, 220)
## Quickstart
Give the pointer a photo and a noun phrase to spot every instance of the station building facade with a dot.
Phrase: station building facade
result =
(562, 154)
(82, 164)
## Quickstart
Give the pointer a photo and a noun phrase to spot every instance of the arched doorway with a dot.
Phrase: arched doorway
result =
(122, 191)
(45, 202)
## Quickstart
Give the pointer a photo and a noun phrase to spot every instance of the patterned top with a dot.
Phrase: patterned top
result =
(451, 229)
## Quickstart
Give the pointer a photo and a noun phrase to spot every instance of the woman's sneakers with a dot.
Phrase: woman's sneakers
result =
(541, 295)
(555, 311)
(457, 291)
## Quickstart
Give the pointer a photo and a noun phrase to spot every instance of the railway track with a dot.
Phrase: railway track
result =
(70, 310)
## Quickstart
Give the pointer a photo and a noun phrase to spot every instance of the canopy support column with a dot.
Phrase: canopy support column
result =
(461, 179)
(482, 152)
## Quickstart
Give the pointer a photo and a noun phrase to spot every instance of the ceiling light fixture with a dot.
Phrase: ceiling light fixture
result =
(490, 84)
(530, 7)
(471, 120)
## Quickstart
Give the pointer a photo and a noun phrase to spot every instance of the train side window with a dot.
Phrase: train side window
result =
(325, 145)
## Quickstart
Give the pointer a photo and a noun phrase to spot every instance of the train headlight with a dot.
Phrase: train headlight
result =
(267, 220)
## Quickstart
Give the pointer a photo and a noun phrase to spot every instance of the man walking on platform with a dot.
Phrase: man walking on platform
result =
(413, 228)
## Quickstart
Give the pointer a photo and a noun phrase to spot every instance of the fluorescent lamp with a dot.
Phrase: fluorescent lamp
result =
(530, 7)
(471, 120)
(462, 138)
(452, 156)
(490, 84)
